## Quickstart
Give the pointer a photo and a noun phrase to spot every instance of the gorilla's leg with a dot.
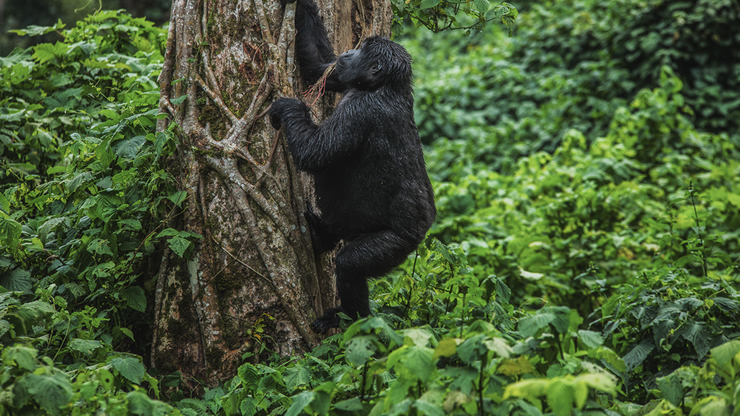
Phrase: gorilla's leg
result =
(370, 255)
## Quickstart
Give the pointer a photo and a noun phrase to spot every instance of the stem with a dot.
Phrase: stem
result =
(413, 283)
(702, 254)
(480, 384)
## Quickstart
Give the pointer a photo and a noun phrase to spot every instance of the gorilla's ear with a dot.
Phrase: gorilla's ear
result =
(376, 68)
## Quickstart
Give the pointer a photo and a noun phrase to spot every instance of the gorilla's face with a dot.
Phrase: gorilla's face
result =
(379, 62)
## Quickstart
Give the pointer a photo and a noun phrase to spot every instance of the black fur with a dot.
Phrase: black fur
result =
(366, 159)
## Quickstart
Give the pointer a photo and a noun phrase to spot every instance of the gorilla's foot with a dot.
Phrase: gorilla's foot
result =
(329, 320)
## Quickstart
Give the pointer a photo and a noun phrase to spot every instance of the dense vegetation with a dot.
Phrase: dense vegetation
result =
(584, 261)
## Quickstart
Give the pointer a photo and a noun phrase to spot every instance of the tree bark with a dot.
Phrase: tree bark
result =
(251, 284)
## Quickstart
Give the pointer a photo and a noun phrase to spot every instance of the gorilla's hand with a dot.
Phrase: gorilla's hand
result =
(284, 107)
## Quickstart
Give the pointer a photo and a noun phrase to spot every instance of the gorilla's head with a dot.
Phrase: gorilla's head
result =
(379, 62)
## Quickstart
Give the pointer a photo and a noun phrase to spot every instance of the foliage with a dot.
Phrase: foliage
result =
(439, 15)
(571, 65)
(83, 195)
(584, 260)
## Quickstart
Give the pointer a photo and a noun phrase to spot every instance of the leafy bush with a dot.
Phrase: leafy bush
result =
(83, 192)
(570, 66)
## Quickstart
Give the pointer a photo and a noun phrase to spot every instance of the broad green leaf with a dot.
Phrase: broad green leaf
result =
(10, 232)
(560, 397)
(590, 339)
(499, 346)
(128, 333)
(515, 367)
(130, 368)
(50, 391)
(724, 354)
(178, 197)
(482, 5)
(427, 4)
(296, 376)
(418, 336)
(46, 51)
(299, 402)
(638, 354)
(350, 405)
(503, 293)
(598, 381)
(128, 148)
(134, 297)
(24, 357)
(360, 349)
(17, 280)
(671, 388)
(445, 348)
(529, 389)
(100, 247)
(167, 232)
(84, 346)
(4, 203)
(249, 375)
(428, 408)
(179, 245)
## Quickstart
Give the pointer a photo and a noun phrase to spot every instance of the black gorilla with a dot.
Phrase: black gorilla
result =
(366, 159)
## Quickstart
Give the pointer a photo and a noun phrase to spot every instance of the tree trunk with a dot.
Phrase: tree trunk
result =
(251, 284)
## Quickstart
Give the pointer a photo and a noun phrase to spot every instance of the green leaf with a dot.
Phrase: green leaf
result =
(10, 232)
(129, 148)
(24, 357)
(34, 30)
(179, 245)
(179, 100)
(360, 349)
(428, 408)
(46, 51)
(50, 391)
(428, 4)
(130, 368)
(300, 401)
(84, 346)
(168, 232)
(671, 388)
(351, 405)
(134, 297)
(4, 203)
(178, 197)
(529, 389)
(560, 397)
(46, 227)
(482, 5)
(296, 376)
(445, 348)
(698, 335)
(418, 362)
(128, 333)
(100, 247)
(17, 280)
(724, 354)
(503, 293)
(638, 354)
(249, 376)
(590, 339)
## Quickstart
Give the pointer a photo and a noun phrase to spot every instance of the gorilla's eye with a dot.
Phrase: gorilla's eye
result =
(375, 68)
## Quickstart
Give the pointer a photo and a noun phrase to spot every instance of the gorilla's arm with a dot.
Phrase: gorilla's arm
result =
(316, 147)
(314, 51)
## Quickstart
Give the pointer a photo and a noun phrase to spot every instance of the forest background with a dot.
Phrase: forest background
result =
(584, 259)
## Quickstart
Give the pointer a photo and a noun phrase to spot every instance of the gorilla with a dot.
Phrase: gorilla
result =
(371, 184)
